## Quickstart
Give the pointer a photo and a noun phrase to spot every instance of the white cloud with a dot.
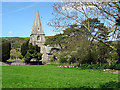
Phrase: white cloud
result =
(10, 32)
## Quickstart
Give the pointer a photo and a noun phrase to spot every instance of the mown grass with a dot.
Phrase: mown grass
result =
(50, 76)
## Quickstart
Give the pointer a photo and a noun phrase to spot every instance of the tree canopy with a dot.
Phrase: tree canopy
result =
(33, 52)
(67, 13)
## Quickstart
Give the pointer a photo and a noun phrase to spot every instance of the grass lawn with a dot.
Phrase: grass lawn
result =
(50, 76)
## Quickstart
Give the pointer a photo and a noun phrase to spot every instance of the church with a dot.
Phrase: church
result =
(37, 37)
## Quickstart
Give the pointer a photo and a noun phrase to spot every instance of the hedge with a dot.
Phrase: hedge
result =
(100, 66)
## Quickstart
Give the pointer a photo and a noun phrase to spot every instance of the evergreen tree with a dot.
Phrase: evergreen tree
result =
(6, 47)
(96, 28)
(33, 53)
(56, 40)
(24, 48)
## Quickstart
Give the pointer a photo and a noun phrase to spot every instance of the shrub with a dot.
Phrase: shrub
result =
(12, 56)
(72, 60)
(52, 58)
(117, 67)
(104, 66)
(112, 66)
(63, 59)
(93, 66)
(84, 66)
(98, 66)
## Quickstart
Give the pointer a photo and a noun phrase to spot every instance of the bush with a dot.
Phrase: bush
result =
(63, 59)
(98, 66)
(93, 66)
(84, 66)
(112, 66)
(72, 60)
(104, 66)
(12, 56)
(117, 67)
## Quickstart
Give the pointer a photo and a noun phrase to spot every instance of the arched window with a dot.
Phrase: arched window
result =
(39, 38)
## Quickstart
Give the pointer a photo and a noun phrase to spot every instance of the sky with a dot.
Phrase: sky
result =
(18, 18)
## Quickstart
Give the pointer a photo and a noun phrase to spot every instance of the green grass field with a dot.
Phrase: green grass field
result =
(50, 76)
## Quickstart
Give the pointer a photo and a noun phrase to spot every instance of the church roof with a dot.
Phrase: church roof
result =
(37, 27)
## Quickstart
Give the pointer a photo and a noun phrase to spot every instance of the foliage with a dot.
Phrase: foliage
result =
(6, 47)
(15, 55)
(81, 47)
(24, 48)
(16, 42)
(97, 28)
(63, 58)
(33, 52)
(10, 60)
(100, 66)
(69, 41)
(57, 40)
(118, 21)
(82, 13)
(118, 51)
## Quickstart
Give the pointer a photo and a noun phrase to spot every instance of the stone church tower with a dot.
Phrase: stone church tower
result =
(37, 37)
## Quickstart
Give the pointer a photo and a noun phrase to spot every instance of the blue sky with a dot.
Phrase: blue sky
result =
(18, 18)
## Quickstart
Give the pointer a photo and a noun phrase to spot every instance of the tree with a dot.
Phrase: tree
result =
(97, 28)
(24, 48)
(118, 43)
(67, 13)
(55, 41)
(102, 52)
(6, 47)
(33, 53)
(70, 36)
(70, 40)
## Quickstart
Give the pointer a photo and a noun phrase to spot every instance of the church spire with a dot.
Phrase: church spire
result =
(37, 27)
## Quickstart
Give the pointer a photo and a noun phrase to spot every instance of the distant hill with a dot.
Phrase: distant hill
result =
(16, 42)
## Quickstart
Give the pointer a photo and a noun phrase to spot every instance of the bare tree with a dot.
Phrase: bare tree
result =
(67, 13)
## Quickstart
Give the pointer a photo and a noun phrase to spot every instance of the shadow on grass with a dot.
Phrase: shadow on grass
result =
(111, 84)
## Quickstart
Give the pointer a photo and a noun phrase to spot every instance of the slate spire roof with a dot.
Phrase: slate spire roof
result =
(37, 27)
